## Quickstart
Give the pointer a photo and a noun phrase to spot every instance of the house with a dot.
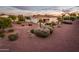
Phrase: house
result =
(45, 18)
(4, 16)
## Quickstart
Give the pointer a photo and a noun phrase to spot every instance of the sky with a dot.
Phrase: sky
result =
(43, 7)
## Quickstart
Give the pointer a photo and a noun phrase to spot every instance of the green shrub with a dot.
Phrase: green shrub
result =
(32, 31)
(72, 18)
(41, 33)
(13, 37)
(77, 17)
(66, 17)
(18, 22)
(5, 22)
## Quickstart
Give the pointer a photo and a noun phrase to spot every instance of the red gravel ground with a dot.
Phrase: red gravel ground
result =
(65, 38)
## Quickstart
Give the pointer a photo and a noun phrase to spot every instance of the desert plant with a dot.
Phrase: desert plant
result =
(13, 37)
(29, 24)
(48, 24)
(60, 20)
(2, 35)
(18, 22)
(11, 30)
(51, 30)
(2, 31)
(22, 25)
(28, 17)
(32, 31)
(41, 33)
(52, 24)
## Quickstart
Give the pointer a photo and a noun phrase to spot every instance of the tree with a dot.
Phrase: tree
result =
(21, 18)
(72, 14)
(12, 17)
(28, 17)
(4, 22)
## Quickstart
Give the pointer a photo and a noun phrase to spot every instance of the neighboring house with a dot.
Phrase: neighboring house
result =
(4, 16)
(45, 18)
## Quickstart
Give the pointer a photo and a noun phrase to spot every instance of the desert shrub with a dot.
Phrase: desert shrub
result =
(11, 30)
(28, 17)
(22, 25)
(2, 35)
(32, 31)
(51, 24)
(29, 24)
(41, 33)
(47, 23)
(59, 18)
(13, 37)
(51, 30)
(18, 22)
(2, 31)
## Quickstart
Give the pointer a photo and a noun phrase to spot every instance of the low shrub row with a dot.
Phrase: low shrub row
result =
(69, 18)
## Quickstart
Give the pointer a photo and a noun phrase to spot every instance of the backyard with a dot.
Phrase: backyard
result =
(63, 38)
